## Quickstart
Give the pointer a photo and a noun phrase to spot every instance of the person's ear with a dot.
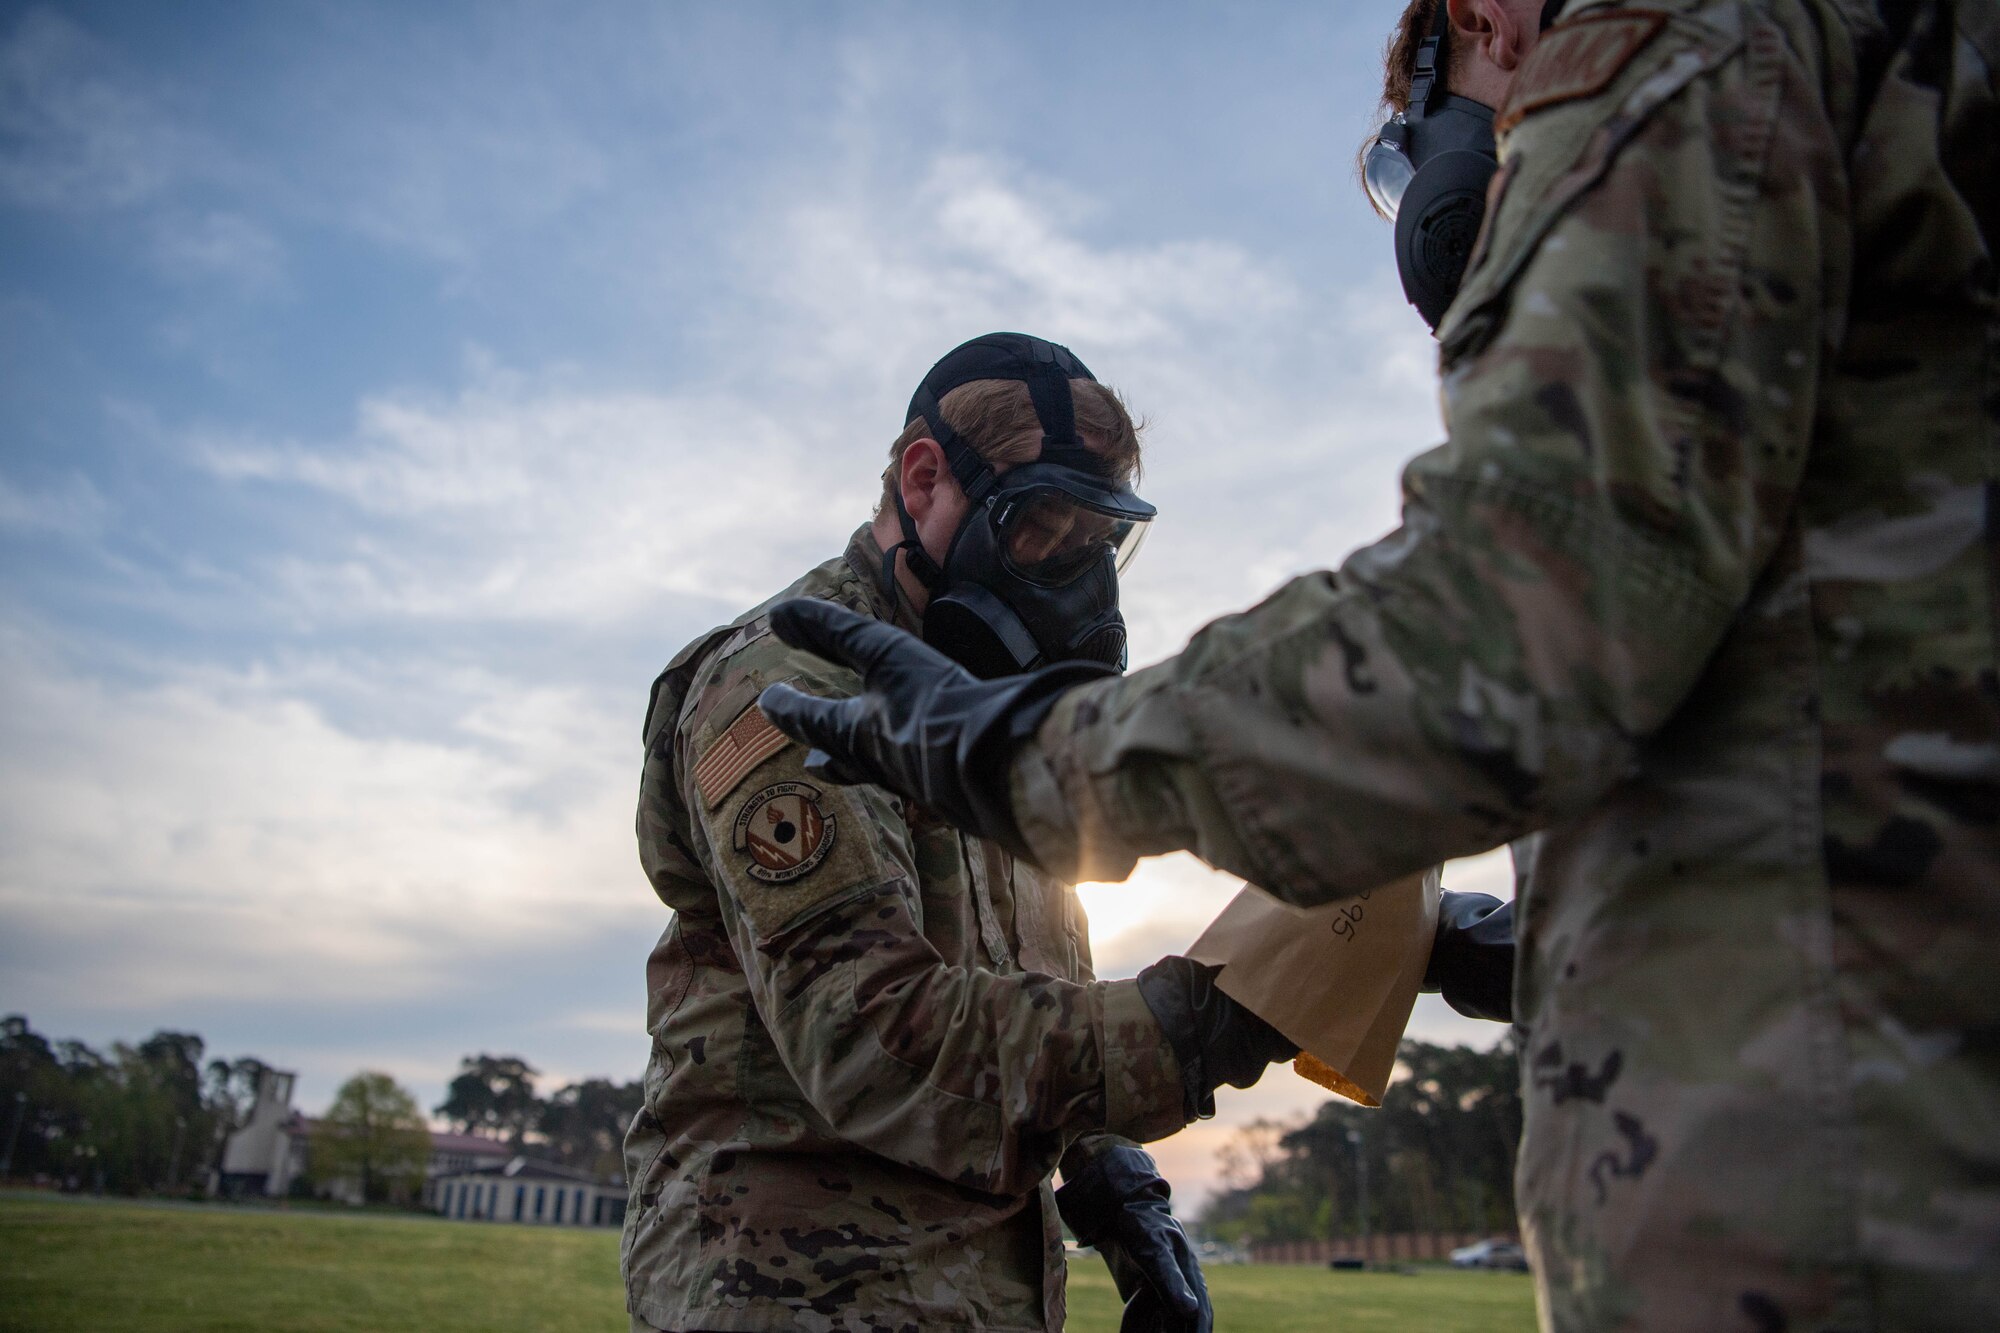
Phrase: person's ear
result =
(922, 470)
(1493, 30)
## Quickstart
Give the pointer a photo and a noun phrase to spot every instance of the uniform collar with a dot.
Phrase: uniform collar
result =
(864, 557)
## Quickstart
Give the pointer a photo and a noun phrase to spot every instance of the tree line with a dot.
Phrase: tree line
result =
(581, 1125)
(155, 1117)
(1436, 1156)
(150, 1117)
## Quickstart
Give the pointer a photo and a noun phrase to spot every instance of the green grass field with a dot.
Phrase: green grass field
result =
(70, 1264)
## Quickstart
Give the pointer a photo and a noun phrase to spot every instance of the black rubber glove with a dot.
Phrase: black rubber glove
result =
(1118, 1206)
(1472, 956)
(922, 726)
(1216, 1040)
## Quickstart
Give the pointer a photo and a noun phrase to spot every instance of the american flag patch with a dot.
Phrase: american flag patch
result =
(750, 740)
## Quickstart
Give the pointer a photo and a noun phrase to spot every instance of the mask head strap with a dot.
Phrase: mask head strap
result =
(967, 466)
(1055, 407)
(926, 569)
(1045, 367)
(1426, 79)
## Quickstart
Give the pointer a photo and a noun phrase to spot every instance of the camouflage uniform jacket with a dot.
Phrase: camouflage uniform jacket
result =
(873, 1038)
(1703, 585)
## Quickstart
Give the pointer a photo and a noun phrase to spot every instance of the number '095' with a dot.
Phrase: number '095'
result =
(1350, 916)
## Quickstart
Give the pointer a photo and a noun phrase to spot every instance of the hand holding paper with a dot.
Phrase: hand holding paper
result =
(1216, 1039)
(1338, 981)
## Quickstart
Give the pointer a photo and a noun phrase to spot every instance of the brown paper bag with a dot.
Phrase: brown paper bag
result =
(1339, 980)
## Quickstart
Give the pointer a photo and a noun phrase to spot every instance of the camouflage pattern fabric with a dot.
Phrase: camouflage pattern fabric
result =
(1703, 586)
(873, 1038)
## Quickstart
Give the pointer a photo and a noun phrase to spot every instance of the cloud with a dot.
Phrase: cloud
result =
(71, 506)
(420, 147)
(900, 275)
(530, 499)
(545, 504)
(79, 131)
(216, 836)
(1278, 421)
(220, 247)
(1269, 459)
(445, 161)
(864, 282)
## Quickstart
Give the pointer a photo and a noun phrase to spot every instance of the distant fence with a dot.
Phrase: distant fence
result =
(1380, 1249)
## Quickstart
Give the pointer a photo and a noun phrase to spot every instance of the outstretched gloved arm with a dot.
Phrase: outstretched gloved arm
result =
(929, 730)
(923, 726)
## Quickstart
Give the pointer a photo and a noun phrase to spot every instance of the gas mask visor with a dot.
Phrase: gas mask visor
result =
(1032, 576)
(1386, 168)
(1055, 524)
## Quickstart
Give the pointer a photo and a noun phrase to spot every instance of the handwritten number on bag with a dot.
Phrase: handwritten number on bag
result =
(1350, 916)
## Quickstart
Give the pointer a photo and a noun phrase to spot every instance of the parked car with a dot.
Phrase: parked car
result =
(1214, 1252)
(1491, 1254)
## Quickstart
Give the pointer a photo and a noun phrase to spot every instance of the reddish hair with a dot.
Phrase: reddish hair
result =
(1399, 57)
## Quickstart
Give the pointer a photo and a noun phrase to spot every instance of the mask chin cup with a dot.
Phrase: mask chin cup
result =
(1437, 226)
(981, 633)
(973, 627)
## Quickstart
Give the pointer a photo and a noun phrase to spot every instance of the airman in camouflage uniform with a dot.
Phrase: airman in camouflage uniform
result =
(1705, 585)
(874, 1038)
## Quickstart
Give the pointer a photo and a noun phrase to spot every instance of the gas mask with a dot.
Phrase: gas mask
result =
(1428, 170)
(1031, 575)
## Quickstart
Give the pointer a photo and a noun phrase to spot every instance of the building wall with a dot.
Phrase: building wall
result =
(528, 1201)
(445, 1164)
(262, 1151)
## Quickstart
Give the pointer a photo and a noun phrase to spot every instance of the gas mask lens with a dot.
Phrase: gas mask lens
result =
(1387, 170)
(1050, 537)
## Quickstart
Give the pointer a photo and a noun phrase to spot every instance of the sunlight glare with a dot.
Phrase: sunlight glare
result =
(1115, 909)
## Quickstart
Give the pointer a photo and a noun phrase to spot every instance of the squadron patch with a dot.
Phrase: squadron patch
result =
(784, 832)
(1577, 59)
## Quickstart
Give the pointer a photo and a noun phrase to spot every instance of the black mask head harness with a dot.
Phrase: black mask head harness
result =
(1428, 170)
(1031, 575)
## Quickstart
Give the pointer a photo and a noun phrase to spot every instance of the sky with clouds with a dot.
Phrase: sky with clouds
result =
(387, 392)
